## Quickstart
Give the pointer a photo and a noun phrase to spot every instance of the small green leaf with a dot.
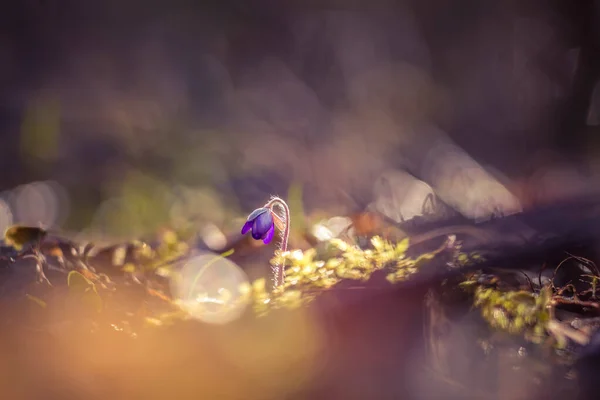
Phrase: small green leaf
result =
(76, 281)
(128, 267)
(227, 253)
(36, 300)
(402, 246)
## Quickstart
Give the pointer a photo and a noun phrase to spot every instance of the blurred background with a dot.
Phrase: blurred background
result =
(120, 117)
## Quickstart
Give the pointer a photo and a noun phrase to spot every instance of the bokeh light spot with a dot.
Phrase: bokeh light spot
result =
(6, 217)
(208, 287)
(39, 204)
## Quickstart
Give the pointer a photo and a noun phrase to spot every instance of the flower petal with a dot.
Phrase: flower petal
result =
(262, 224)
(254, 214)
(247, 226)
(269, 235)
(256, 235)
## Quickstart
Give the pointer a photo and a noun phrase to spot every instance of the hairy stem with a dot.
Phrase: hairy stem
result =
(279, 270)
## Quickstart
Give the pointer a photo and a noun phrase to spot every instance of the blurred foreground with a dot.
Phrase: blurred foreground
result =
(500, 313)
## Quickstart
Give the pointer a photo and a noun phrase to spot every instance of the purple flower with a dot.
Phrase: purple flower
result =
(260, 221)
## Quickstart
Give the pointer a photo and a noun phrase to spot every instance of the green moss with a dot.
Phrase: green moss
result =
(517, 312)
(310, 272)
